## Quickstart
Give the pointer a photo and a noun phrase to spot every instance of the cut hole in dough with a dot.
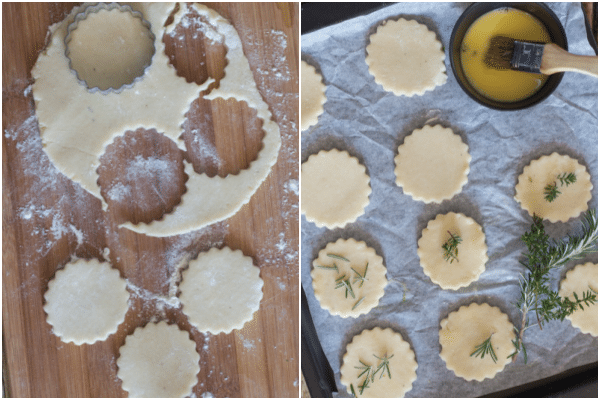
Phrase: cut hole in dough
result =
(363, 352)
(534, 182)
(432, 164)
(447, 268)
(109, 46)
(205, 42)
(141, 176)
(221, 290)
(359, 271)
(158, 360)
(579, 280)
(406, 58)
(335, 189)
(463, 330)
(312, 95)
(86, 301)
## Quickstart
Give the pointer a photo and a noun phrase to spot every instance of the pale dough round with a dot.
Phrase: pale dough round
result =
(65, 109)
(468, 327)
(379, 342)
(335, 189)
(221, 290)
(580, 279)
(432, 164)
(572, 200)
(86, 301)
(312, 95)
(406, 58)
(472, 251)
(358, 255)
(158, 360)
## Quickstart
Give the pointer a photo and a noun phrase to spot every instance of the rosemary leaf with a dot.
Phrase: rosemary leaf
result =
(338, 257)
(333, 267)
(358, 302)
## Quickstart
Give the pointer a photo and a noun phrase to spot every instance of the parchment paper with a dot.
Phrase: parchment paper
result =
(370, 124)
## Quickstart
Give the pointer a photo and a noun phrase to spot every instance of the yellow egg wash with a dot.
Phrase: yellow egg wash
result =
(501, 85)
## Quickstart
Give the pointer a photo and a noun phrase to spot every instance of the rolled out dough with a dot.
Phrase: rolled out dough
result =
(312, 95)
(86, 301)
(580, 279)
(159, 361)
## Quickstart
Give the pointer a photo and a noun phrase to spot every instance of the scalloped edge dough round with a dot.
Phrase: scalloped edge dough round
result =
(221, 290)
(403, 366)
(158, 360)
(432, 164)
(581, 279)
(86, 301)
(65, 108)
(472, 251)
(312, 96)
(406, 58)
(323, 280)
(471, 325)
(335, 188)
(529, 191)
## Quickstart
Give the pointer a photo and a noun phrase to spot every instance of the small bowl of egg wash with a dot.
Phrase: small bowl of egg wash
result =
(503, 89)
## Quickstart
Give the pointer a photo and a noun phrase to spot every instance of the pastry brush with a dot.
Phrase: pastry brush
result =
(538, 58)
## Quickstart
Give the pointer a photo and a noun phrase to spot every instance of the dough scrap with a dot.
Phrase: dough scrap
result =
(468, 327)
(86, 301)
(312, 95)
(158, 360)
(335, 189)
(65, 109)
(359, 255)
(379, 342)
(573, 199)
(221, 290)
(432, 164)
(406, 58)
(580, 279)
(472, 251)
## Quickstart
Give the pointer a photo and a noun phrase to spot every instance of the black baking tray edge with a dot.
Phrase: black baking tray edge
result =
(580, 382)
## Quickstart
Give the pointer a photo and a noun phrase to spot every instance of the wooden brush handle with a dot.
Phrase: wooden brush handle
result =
(556, 60)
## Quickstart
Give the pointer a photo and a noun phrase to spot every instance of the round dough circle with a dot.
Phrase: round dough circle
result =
(221, 290)
(579, 280)
(86, 301)
(432, 164)
(158, 360)
(468, 327)
(573, 199)
(109, 59)
(472, 251)
(335, 189)
(324, 279)
(406, 58)
(312, 96)
(379, 342)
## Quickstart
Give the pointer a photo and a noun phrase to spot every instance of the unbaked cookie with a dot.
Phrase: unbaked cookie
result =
(86, 301)
(463, 333)
(432, 164)
(546, 188)
(452, 250)
(158, 360)
(335, 189)
(382, 357)
(312, 96)
(580, 279)
(406, 58)
(221, 290)
(348, 278)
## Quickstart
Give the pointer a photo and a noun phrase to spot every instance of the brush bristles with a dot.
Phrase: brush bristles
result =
(500, 53)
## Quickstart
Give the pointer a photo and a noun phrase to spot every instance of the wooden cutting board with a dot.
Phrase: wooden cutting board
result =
(48, 220)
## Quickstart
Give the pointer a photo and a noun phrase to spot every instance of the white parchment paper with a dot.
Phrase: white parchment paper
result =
(370, 123)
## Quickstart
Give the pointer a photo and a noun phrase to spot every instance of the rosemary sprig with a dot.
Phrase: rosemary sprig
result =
(542, 256)
(337, 257)
(450, 247)
(370, 373)
(343, 282)
(360, 278)
(551, 191)
(484, 349)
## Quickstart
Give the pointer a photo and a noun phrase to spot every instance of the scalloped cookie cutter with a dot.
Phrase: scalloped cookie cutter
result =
(76, 125)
